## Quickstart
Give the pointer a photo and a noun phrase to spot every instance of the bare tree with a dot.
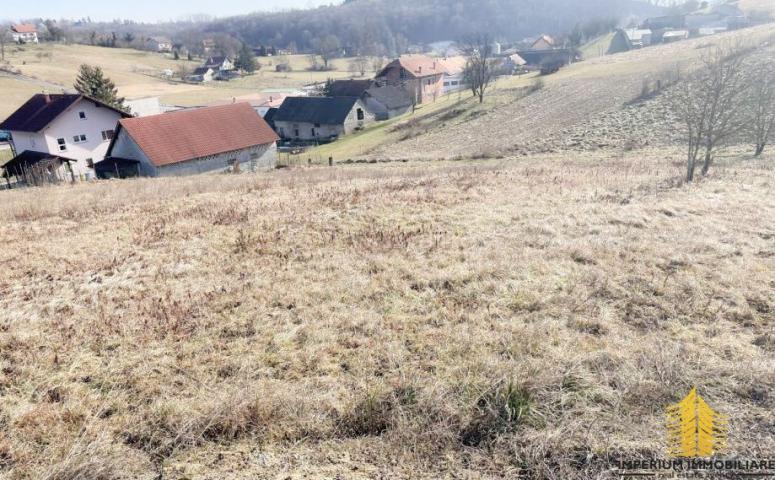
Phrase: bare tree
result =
(359, 65)
(761, 103)
(377, 63)
(5, 38)
(711, 104)
(480, 64)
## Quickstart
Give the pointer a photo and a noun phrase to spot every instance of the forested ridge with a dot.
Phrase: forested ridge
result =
(388, 27)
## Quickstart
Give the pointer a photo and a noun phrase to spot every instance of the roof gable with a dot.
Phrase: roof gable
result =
(418, 66)
(322, 110)
(190, 134)
(42, 109)
(391, 97)
(348, 88)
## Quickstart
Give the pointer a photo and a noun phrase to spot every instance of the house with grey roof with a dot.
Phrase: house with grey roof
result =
(321, 119)
(384, 101)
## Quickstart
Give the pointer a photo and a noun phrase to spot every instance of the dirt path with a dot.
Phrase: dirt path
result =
(53, 87)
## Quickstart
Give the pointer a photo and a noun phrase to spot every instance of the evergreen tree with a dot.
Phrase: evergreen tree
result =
(328, 87)
(93, 83)
(246, 60)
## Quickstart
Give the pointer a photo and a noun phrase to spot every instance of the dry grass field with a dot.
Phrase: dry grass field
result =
(515, 318)
(136, 73)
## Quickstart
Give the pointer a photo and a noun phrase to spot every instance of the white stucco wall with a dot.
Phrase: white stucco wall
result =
(68, 125)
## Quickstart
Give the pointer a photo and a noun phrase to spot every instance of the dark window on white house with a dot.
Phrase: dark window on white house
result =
(108, 134)
(62, 144)
(79, 138)
(90, 163)
(360, 114)
(82, 115)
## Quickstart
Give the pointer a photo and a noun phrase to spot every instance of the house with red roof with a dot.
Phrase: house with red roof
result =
(24, 33)
(188, 142)
(422, 77)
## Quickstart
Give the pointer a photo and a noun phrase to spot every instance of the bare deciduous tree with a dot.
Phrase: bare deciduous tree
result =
(5, 38)
(711, 104)
(359, 65)
(761, 103)
(377, 63)
(480, 64)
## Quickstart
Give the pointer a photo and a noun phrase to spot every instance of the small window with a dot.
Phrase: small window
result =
(108, 135)
(62, 144)
(90, 163)
(361, 116)
(296, 133)
(82, 115)
(79, 138)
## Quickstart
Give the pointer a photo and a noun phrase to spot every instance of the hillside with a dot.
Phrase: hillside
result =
(54, 67)
(379, 27)
(514, 318)
(583, 106)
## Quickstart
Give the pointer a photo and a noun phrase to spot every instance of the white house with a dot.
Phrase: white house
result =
(188, 142)
(454, 69)
(201, 75)
(72, 126)
(144, 107)
(24, 33)
(220, 64)
(159, 44)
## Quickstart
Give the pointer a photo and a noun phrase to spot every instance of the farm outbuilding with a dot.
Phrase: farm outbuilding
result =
(188, 142)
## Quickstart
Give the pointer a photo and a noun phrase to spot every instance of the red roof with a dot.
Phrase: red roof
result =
(190, 134)
(24, 28)
(418, 66)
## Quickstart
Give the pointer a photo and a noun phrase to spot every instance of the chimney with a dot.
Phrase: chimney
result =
(46, 96)
(419, 69)
(233, 99)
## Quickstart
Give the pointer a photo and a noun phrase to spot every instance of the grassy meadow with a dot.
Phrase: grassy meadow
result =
(517, 318)
(137, 74)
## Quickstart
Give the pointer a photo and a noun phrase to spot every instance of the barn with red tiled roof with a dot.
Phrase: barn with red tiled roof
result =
(187, 142)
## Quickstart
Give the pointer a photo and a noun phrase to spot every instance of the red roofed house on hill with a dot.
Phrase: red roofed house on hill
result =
(189, 142)
(422, 77)
(24, 33)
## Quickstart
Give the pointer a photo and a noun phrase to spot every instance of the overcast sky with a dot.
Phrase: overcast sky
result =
(143, 10)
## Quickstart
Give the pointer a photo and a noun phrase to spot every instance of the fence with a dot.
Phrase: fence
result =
(302, 159)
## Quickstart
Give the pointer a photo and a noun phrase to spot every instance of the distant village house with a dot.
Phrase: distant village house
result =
(385, 102)
(201, 75)
(420, 76)
(320, 119)
(159, 44)
(24, 33)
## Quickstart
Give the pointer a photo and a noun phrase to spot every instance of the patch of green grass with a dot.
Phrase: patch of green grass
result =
(597, 47)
